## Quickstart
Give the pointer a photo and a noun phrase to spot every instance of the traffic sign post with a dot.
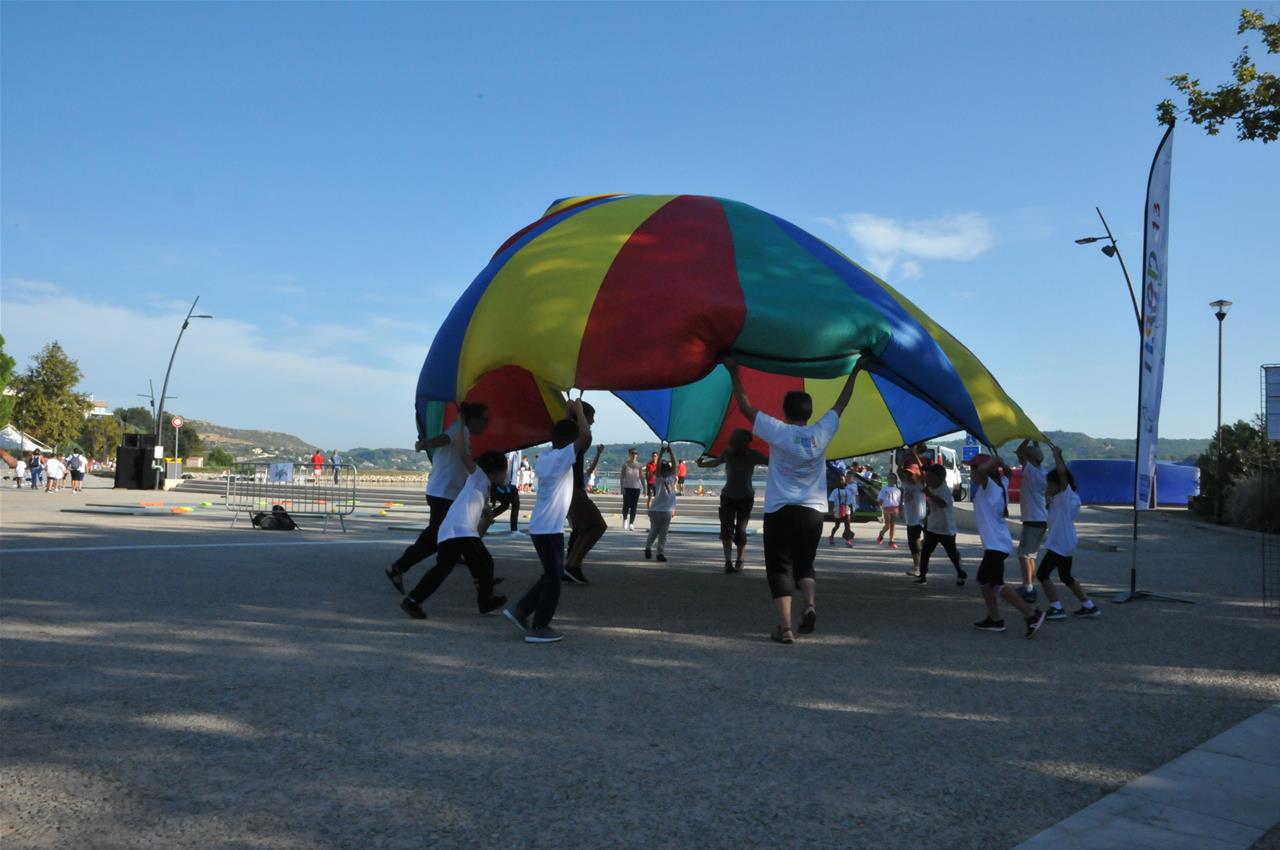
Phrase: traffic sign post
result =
(970, 449)
(176, 422)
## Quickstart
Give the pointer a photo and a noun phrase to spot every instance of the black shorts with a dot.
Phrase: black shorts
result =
(1053, 561)
(791, 536)
(734, 516)
(991, 570)
(77, 475)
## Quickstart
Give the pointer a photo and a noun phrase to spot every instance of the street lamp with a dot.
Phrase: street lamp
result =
(164, 388)
(1113, 250)
(1220, 309)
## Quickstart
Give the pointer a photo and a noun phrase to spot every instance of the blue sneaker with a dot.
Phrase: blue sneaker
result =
(521, 623)
(1056, 613)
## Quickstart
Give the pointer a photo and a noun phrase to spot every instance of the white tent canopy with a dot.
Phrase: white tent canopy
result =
(17, 441)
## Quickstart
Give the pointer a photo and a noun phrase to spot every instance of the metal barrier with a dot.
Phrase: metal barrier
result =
(299, 488)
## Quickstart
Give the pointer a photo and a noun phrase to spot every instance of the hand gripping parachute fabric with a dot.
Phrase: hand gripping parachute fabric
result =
(641, 294)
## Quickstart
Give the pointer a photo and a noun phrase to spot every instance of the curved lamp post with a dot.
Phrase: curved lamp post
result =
(1220, 309)
(191, 314)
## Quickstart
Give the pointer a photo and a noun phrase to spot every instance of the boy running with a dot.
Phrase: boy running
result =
(533, 613)
(989, 510)
(939, 523)
(842, 499)
(1064, 507)
(459, 536)
(1035, 515)
(664, 505)
(794, 496)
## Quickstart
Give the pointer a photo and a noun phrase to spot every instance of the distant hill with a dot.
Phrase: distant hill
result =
(1077, 446)
(246, 443)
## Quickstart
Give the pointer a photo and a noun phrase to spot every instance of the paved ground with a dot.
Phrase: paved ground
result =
(210, 687)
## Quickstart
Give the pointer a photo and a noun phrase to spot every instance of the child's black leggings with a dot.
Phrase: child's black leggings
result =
(931, 541)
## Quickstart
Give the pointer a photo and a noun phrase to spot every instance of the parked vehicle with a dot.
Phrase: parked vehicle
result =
(950, 461)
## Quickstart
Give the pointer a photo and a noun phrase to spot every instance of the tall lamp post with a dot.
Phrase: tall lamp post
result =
(1220, 309)
(1113, 250)
(164, 388)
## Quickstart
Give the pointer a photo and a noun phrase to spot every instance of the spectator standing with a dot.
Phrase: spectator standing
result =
(630, 479)
(77, 464)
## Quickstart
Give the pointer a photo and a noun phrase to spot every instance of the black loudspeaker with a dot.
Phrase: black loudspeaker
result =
(134, 470)
(139, 441)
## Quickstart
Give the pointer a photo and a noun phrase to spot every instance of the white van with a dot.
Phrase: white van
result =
(950, 461)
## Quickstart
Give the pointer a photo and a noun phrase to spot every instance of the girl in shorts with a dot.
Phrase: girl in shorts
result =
(990, 507)
(843, 499)
(1064, 507)
(890, 499)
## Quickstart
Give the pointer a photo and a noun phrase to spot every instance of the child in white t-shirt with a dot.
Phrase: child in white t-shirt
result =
(914, 507)
(1064, 507)
(890, 499)
(663, 506)
(843, 499)
(939, 523)
(459, 537)
(990, 509)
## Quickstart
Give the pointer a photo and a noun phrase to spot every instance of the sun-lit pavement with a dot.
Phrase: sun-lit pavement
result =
(172, 682)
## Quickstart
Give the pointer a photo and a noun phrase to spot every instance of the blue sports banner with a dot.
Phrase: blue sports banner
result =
(1155, 301)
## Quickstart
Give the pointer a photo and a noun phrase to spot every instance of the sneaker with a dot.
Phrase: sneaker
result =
(848, 541)
(543, 635)
(519, 533)
(1095, 611)
(1056, 614)
(921, 580)
(728, 568)
(493, 603)
(1034, 622)
(1028, 596)
(661, 557)
(808, 621)
(831, 541)
(413, 609)
(396, 579)
(893, 545)
(960, 577)
(880, 537)
(647, 554)
(989, 625)
(574, 575)
(912, 573)
(521, 623)
(782, 634)
(737, 566)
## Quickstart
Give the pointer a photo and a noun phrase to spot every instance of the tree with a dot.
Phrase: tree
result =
(1252, 101)
(6, 378)
(189, 442)
(136, 420)
(101, 436)
(48, 407)
(1245, 451)
(219, 456)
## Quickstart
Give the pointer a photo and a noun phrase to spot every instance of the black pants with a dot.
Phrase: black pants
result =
(913, 538)
(470, 549)
(734, 516)
(791, 535)
(630, 500)
(931, 541)
(541, 600)
(1053, 561)
(507, 497)
(425, 546)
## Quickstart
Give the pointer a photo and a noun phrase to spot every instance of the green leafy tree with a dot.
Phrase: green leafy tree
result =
(1252, 101)
(6, 378)
(189, 441)
(1245, 451)
(136, 420)
(219, 456)
(101, 436)
(48, 407)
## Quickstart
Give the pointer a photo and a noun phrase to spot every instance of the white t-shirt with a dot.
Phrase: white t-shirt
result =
(988, 512)
(941, 520)
(20, 471)
(513, 468)
(76, 462)
(1031, 494)
(664, 500)
(555, 491)
(54, 469)
(913, 504)
(1062, 523)
(797, 467)
(890, 496)
(447, 472)
(846, 497)
(463, 518)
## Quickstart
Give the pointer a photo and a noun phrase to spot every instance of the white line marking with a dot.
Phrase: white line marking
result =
(55, 549)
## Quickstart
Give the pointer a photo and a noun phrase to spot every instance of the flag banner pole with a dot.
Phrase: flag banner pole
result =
(1151, 350)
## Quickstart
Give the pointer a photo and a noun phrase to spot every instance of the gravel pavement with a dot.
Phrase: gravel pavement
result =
(232, 688)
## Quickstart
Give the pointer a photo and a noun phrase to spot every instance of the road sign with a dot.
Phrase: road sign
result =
(176, 421)
(970, 449)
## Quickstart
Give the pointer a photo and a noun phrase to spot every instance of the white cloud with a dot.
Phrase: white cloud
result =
(23, 287)
(887, 244)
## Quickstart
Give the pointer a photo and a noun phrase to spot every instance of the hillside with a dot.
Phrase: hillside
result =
(242, 442)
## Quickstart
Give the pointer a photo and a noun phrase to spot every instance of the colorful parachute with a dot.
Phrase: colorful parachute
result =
(641, 294)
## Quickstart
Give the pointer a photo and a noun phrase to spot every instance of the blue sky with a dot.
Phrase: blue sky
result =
(328, 178)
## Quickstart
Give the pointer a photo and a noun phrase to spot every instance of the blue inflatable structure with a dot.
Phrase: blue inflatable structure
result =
(1110, 482)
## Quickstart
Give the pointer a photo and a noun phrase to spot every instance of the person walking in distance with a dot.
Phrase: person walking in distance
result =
(1035, 515)
(448, 475)
(795, 493)
(890, 499)
(651, 479)
(990, 507)
(630, 479)
(460, 535)
(536, 609)
(738, 496)
(842, 499)
(1059, 549)
(586, 519)
(939, 523)
(664, 505)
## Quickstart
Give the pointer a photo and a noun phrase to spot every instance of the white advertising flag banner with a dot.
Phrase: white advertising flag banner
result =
(1155, 301)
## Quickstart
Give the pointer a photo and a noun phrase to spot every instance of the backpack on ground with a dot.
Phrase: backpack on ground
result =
(277, 520)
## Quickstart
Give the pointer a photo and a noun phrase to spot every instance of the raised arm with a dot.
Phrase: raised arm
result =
(739, 395)
(842, 400)
(584, 427)
(1021, 452)
(1060, 465)
(671, 454)
(468, 462)
(707, 462)
(438, 441)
